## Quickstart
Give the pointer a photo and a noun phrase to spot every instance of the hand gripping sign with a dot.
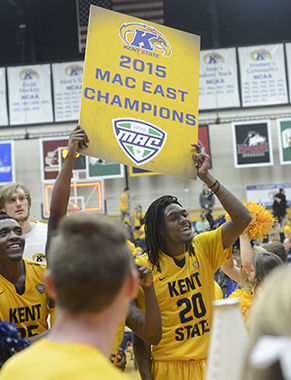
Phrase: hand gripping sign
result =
(140, 93)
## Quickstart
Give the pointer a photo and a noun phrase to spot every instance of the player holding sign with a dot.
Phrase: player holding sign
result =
(183, 271)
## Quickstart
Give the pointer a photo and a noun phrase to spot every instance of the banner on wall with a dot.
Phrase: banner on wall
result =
(288, 58)
(67, 81)
(30, 99)
(136, 106)
(3, 102)
(264, 194)
(263, 75)
(53, 151)
(252, 144)
(218, 86)
(7, 168)
(203, 139)
(98, 168)
(284, 138)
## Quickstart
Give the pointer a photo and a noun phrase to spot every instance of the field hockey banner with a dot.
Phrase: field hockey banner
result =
(218, 87)
(252, 144)
(30, 98)
(263, 75)
(3, 102)
(140, 93)
(284, 138)
(7, 168)
(264, 194)
(67, 80)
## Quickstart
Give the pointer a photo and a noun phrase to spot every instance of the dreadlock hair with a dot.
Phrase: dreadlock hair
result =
(154, 223)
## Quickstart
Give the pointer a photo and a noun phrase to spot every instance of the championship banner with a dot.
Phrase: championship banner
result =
(3, 102)
(7, 168)
(252, 144)
(263, 75)
(218, 87)
(264, 194)
(30, 100)
(140, 93)
(67, 81)
(288, 58)
(98, 168)
(284, 138)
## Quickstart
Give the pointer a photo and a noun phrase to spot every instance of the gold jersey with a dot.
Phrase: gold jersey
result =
(28, 310)
(46, 360)
(185, 291)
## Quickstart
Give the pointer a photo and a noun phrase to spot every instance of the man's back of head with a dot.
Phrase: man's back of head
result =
(89, 260)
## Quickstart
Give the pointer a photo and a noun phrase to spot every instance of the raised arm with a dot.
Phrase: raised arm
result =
(246, 253)
(142, 354)
(62, 187)
(240, 216)
(147, 325)
(232, 270)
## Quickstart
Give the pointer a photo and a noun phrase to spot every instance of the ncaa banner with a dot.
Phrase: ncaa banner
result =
(3, 102)
(30, 100)
(140, 93)
(252, 144)
(288, 57)
(263, 75)
(264, 194)
(218, 87)
(7, 168)
(284, 138)
(67, 81)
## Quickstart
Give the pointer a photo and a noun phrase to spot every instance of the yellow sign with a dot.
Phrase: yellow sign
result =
(140, 93)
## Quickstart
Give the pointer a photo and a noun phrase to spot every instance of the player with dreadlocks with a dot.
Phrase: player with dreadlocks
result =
(183, 269)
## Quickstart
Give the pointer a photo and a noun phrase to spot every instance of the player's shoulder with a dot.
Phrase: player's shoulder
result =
(143, 260)
(36, 266)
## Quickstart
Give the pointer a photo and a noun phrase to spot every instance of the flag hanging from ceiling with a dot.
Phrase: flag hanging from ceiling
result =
(151, 10)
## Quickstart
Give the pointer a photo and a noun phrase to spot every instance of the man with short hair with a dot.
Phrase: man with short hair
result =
(23, 298)
(92, 279)
(15, 200)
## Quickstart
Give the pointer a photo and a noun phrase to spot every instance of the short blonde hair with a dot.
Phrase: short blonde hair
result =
(7, 191)
(270, 315)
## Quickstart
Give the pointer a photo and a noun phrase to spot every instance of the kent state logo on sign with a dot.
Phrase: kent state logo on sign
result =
(141, 36)
(139, 140)
(26, 74)
(213, 58)
(74, 70)
(261, 55)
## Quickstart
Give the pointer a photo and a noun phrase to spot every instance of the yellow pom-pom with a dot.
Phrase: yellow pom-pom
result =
(246, 300)
(261, 223)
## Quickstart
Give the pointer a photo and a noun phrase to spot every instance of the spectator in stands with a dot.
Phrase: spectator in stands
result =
(15, 200)
(277, 248)
(202, 224)
(279, 205)
(124, 204)
(206, 203)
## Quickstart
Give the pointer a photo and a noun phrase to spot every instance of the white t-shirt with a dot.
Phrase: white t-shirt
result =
(35, 241)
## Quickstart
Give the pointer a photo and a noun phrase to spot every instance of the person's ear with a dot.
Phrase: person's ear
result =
(49, 285)
(132, 284)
